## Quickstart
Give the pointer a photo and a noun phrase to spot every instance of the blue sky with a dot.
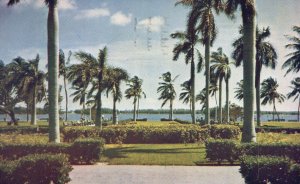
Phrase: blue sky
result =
(90, 25)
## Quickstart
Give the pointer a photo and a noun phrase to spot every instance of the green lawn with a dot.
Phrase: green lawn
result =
(282, 124)
(154, 154)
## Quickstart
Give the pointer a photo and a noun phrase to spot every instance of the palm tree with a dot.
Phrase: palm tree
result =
(186, 46)
(221, 68)
(91, 71)
(249, 35)
(239, 90)
(213, 89)
(115, 76)
(293, 62)
(295, 93)
(201, 97)
(63, 72)
(30, 82)
(201, 19)
(270, 94)
(80, 94)
(186, 94)
(53, 46)
(135, 91)
(265, 56)
(167, 91)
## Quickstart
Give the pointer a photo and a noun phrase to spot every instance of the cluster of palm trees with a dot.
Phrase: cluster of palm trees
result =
(201, 28)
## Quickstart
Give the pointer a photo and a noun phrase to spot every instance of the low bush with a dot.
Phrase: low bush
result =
(228, 150)
(182, 121)
(81, 151)
(24, 129)
(225, 131)
(289, 130)
(86, 150)
(256, 170)
(219, 150)
(131, 134)
(38, 168)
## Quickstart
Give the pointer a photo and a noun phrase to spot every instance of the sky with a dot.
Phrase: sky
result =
(136, 33)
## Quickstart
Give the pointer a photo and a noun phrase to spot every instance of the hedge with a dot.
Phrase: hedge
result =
(227, 150)
(259, 170)
(81, 151)
(38, 168)
(131, 134)
(24, 129)
(225, 131)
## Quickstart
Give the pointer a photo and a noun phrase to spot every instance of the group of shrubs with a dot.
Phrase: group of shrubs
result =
(43, 163)
(131, 134)
(260, 163)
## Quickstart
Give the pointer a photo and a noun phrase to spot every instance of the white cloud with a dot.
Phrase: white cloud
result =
(120, 19)
(92, 13)
(66, 4)
(153, 23)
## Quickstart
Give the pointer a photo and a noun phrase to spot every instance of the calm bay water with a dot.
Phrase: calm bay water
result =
(153, 117)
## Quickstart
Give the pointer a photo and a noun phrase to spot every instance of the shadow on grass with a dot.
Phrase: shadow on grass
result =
(163, 151)
(115, 152)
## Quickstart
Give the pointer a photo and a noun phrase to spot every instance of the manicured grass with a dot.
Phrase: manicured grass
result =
(154, 123)
(154, 154)
(278, 137)
(282, 124)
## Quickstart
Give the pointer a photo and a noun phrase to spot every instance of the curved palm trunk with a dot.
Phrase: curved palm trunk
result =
(138, 106)
(276, 111)
(193, 90)
(33, 107)
(27, 111)
(227, 101)
(216, 109)
(114, 111)
(53, 46)
(66, 96)
(98, 121)
(257, 88)
(207, 81)
(299, 110)
(220, 100)
(249, 37)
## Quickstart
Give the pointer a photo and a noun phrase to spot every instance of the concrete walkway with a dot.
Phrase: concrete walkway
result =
(125, 174)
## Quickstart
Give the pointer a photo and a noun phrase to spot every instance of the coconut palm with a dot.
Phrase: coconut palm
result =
(213, 89)
(80, 94)
(201, 97)
(295, 93)
(186, 46)
(221, 68)
(167, 91)
(63, 72)
(135, 91)
(265, 56)
(186, 94)
(249, 36)
(239, 90)
(269, 94)
(53, 46)
(293, 62)
(91, 71)
(115, 76)
(29, 81)
(201, 18)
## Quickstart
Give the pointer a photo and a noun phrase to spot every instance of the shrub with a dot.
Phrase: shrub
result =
(129, 134)
(86, 150)
(256, 170)
(24, 129)
(81, 151)
(224, 131)
(219, 150)
(42, 168)
(182, 121)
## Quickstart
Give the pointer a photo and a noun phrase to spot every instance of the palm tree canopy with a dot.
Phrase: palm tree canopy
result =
(47, 2)
(269, 92)
(135, 89)
(221, 65)
(293, 62)
(239, 92)
(166, 88)
(247, 6)
(295, 89)
(185, 95)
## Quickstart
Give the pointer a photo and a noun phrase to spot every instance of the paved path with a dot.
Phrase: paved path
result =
(124, 174)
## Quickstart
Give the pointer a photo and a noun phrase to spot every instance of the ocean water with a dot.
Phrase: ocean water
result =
(153, 117)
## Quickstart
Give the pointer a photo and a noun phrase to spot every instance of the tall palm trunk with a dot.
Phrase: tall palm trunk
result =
(27, 111)
(216, 109)
(134, 109)
(138, 106)
(114, 111)
(66, 96)
(33, 107)
(227, 101)
(274, 110)
(207, 81)
(257, 93)
(53, 46)
(220, 100)
(249, 37)
(171, 110)
(98, 121)
(299, 110)
(193, 89)
(277, 113)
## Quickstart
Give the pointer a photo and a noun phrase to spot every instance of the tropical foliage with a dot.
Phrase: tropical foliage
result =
(295, 93)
